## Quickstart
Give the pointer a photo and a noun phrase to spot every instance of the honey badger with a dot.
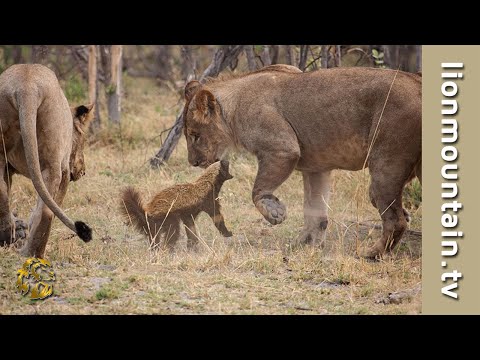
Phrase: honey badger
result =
(182, 202)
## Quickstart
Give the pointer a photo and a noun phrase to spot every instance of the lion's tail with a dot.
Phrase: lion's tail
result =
(134, 210)
(28, 106)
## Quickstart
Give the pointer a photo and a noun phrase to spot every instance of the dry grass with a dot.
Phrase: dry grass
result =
(251, 273)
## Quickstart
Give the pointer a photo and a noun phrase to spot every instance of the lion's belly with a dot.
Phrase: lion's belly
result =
(345, 154)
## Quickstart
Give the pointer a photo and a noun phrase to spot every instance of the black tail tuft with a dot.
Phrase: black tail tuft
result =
(83, 231)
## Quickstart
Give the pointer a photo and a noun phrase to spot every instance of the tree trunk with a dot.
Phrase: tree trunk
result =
(39, 52)
(164, 67)
(275, 51)
(324, 55)
(114, 87)
(17, 54)
(222, 58)
(339, 55)
(419, 57)
(396, 57)
(266, 56)
(302, 62)
(105, 60)
(250, 53)
(189, 65)
(289, 56)
(402, 55)
(408, 62)
(93, 86)
(80, 55)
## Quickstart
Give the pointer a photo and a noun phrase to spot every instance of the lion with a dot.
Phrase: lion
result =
(42, 138)
(315, 122)
(182, 202)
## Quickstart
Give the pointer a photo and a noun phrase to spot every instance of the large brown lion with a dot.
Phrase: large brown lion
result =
(343, 118)
(42, 139)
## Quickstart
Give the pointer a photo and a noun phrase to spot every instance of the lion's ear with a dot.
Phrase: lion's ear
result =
(84, 113)
(205, 102)
(191, 88)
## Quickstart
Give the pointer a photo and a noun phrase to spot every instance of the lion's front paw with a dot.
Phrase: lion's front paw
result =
(272, 210)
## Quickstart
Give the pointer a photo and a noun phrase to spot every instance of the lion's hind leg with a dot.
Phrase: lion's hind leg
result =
(56, 182)
(388, 180)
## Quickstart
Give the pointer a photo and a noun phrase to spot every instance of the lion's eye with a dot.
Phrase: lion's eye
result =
(195, 137)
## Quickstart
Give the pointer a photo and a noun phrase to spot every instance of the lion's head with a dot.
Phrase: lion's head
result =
(82, 116)
(206, 141)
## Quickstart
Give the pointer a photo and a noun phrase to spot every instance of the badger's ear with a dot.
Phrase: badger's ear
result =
(191, 89)
(205, 103)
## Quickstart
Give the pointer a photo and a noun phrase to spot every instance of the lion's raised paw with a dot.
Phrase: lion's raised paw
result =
(272, 210)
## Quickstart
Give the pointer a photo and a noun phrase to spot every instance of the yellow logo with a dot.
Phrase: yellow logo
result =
(36, 277)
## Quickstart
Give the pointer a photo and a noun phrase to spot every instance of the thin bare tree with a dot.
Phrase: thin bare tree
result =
(302, 61)
(189, 63)
(80, 54)
(289, 56)
(419, 57)
(266, 55)
(93, 85)
(163, 62)
(324, 54)
(250, 53)
(114, 89)
(111, 60)
(338, 58)
(17, 54)
(275, 54)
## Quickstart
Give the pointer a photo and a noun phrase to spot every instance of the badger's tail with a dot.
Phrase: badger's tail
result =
(134, 210)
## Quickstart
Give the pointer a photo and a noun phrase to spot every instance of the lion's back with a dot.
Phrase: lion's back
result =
(19, 75)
